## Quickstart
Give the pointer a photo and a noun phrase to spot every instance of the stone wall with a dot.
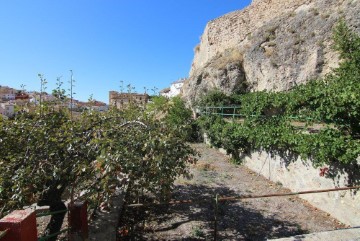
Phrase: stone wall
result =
(299, 175)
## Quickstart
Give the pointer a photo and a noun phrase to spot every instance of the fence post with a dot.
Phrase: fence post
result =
(21, 225)
(78, 223)
(216, 217)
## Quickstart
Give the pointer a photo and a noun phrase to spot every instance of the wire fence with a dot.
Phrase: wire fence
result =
(217, 200)
(241, 197)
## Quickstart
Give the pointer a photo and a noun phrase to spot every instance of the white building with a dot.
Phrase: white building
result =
(101, 108)
(174, 90)
(7, 109)
(35, 98)
(7, 93)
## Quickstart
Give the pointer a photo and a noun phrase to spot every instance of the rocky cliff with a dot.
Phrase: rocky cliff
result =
(270, 45)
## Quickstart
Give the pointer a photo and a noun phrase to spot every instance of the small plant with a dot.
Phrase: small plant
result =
(325, 16)
(274, 63)
(197, 231)
(292, 30)
(269, 52)
(232, 55)
(236, 161)
(320, 43)
(298, 40)
(205, 167)
(197, 48)
(315, 11)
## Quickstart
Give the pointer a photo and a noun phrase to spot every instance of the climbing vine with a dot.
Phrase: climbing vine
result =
(268, 117)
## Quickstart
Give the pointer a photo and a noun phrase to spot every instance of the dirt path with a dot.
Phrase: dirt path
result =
(256, 219)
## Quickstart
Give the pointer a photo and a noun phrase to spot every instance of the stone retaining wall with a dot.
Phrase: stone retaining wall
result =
(299, 175)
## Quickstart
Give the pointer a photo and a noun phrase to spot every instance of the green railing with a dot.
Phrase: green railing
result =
(53, 234)
(50, 213)
(235, 111)
(232, 111)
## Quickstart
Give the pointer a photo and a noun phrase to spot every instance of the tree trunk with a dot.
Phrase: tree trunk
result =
(56, 220)
(52, 197)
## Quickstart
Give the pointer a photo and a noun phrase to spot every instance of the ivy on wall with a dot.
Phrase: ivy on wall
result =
(333, 101)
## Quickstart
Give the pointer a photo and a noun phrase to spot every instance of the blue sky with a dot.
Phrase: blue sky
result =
(145, 43)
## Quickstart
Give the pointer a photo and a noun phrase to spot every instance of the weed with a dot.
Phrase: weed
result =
(232, 55)
(197, 48)
(274, 63)
(236, 161)
(292, 30)
(315, 11)
(197, 231)
(325, 16)
(205, 167)
(226, 176)
(269, 52)
(320, 43)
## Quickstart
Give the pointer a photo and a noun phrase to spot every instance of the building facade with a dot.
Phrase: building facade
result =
(174, 90)
(121, 100)
(7, 109)
(7, 93)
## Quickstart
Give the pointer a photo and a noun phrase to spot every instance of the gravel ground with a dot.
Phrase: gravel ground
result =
(253, 219)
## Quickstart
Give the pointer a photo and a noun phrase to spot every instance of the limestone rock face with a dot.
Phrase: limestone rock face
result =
(270, 45)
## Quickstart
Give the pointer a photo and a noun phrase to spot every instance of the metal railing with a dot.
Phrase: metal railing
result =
(218, 199)
(234, 111)
(44, 238)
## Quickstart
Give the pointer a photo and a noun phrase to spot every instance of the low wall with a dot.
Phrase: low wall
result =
(300, 175)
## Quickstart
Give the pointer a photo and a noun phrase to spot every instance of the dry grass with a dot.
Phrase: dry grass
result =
(197, 48)
(269, 52)
(203, 166)
(229, 56)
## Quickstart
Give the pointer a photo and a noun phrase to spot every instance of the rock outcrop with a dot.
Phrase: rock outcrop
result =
(270, 45)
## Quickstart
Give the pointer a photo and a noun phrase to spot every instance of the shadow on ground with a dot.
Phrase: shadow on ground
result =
(196, 221)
